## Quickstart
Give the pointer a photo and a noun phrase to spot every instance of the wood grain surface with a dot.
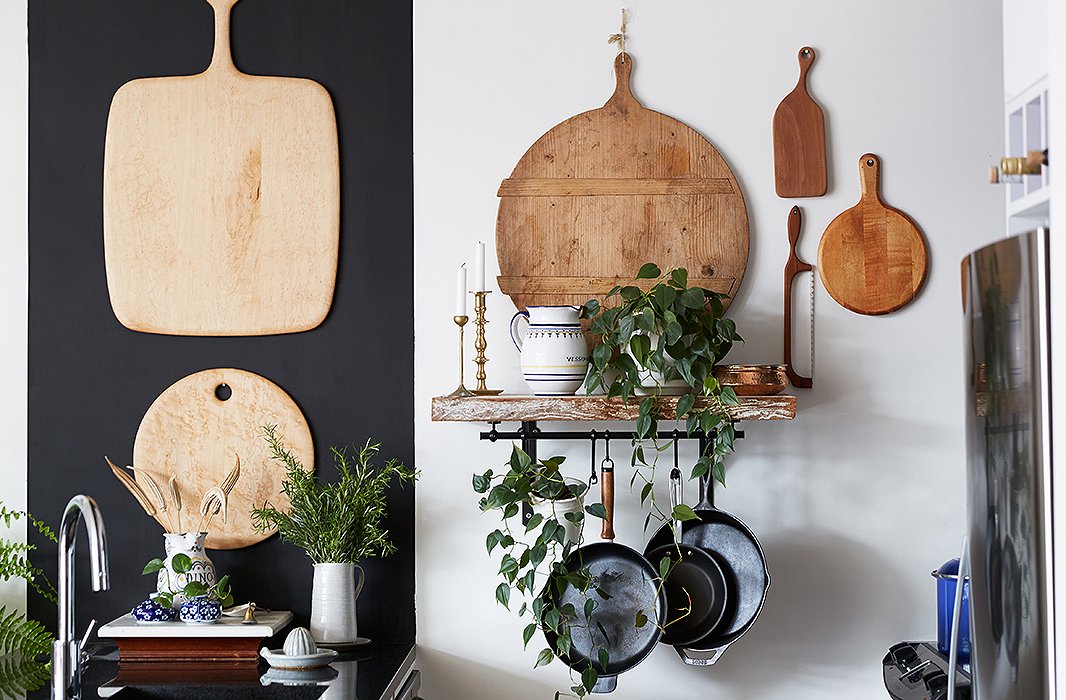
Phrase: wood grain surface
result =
(872, 258)
(592, 408)
(607, 190)
(794, 266)
(799, 139)
(221, 201)
(190, 433)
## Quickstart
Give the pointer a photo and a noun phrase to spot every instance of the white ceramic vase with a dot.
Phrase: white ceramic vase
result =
(555, 355)
(558, 509)
(190, 544)
(334, 592)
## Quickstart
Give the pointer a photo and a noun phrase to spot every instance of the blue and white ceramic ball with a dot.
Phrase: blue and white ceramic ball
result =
(151, 611)
(201, 610)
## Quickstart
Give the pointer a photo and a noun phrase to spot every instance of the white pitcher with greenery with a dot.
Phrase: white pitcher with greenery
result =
(338, 524)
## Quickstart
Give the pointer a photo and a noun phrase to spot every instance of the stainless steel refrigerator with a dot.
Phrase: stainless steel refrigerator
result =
(1008, 418)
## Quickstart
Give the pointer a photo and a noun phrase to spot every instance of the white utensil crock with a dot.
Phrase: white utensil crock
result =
(333, 596)
(555, 356)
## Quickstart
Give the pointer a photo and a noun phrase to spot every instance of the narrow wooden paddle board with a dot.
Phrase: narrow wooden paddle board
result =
(610, 189)
(221, 201)
(872, 258)
(195, 430)
(799, 139)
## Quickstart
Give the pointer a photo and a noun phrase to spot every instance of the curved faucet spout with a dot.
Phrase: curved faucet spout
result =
(66, 652)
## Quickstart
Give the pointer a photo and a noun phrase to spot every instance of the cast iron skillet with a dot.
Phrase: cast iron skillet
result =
(735, 547)
(696, 585)
(631, 584)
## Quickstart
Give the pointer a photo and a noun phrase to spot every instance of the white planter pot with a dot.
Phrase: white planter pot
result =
(334, 592)
(558, 510)
(555, 355)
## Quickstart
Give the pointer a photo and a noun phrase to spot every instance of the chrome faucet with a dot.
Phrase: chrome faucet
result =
(66, 651)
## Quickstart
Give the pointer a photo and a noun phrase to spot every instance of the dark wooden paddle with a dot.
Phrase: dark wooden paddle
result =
(799, 139)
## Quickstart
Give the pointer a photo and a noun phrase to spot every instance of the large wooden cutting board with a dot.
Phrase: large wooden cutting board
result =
(610, 189)
(872, 258)
(221, 201)
(195, 429)
(799, 139)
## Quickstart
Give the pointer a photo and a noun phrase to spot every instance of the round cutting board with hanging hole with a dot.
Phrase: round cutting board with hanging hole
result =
(610, 189)
(872, 258)
(195, 429)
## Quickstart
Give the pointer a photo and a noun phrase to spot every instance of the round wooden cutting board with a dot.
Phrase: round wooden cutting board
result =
(195, 430)
(872, 258)
(610, 189)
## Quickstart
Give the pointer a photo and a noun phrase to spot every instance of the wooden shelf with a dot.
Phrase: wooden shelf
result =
(492, 409)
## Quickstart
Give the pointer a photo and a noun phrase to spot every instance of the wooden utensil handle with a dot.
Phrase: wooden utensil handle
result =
(793, 267)
(607, 497)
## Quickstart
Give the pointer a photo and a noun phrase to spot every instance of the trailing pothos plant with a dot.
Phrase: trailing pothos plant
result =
(182, 564)
(536, 555)
(666, 333)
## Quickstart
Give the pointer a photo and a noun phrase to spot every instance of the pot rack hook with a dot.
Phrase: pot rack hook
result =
(676, 438)
(592, 476)
(607, 444)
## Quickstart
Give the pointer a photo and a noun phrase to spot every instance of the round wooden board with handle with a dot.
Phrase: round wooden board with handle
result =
(610, 189)
(872, 258)
(196, 429)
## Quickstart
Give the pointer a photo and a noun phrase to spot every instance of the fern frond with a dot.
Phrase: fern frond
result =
(21, 635)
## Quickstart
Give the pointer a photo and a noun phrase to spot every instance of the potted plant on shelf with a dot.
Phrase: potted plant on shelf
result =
(666, 339)
(338, 524)
(196, 601)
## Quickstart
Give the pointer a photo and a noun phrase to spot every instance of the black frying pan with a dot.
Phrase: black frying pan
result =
(695, 583)
(631, 585)
(735, 547)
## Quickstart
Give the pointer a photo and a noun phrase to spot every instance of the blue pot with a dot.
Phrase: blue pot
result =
(150, 611)
(947, 578)
(202, 610)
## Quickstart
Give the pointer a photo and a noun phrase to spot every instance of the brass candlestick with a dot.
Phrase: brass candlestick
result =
(480, 344)
(461, 391)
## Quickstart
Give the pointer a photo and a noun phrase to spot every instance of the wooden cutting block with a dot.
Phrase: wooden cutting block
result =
(221, 201)
(195, 430)
(610, 189)
(799, 139)
(872, 258)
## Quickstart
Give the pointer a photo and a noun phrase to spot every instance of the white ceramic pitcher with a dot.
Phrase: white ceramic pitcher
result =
(555, 356)
(334, 591)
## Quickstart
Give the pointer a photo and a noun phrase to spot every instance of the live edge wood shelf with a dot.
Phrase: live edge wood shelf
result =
(497, 409)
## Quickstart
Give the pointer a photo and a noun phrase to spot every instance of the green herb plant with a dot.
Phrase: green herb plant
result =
(648, 337)
(182, 564)
(535, 558)
(14, 556)
(340, 522)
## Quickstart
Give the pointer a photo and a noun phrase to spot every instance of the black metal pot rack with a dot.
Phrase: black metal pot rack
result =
(529, 434)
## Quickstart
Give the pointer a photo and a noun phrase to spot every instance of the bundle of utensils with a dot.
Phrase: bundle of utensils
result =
(168, 507)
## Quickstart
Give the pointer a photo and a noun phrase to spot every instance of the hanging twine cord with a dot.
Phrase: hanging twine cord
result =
(620, 37)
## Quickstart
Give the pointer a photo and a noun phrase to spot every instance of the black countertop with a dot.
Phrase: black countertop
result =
(375, 672)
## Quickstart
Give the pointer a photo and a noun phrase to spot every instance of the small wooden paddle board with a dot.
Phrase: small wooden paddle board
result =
(221, 200)
(872, 258)
(799, 139)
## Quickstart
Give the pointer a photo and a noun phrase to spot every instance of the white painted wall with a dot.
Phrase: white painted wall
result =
(1025, 59)
(13, 271)
(862, 495)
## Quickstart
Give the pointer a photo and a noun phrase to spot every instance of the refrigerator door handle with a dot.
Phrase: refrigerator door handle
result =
(956, 615)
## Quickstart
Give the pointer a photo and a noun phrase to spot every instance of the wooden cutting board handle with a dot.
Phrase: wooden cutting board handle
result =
(793, 267)
(806, 57)
(222, 56)
(623, 99)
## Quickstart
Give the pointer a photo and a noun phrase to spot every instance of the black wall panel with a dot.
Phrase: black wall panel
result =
(91, 380)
